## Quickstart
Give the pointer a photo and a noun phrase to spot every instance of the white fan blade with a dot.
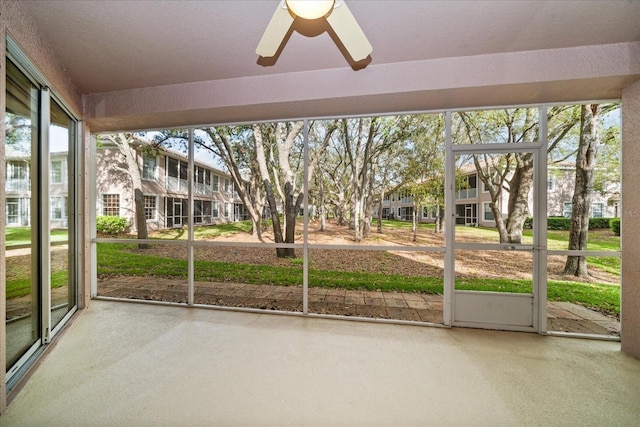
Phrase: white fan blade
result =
(349, 32)
(274, 34)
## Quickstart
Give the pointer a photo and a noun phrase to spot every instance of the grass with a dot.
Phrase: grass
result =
(16, 236)
(391, 223)
(599, 240)
(115, 259)
(203, 232)
(22, 286)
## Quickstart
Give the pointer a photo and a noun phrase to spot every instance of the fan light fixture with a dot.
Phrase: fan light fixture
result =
(336, 13)
(310, 9)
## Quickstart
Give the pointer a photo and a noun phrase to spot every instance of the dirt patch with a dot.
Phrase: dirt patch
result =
(469, 264)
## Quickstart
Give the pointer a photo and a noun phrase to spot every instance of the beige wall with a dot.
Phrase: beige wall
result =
(14, 22)
(631, 220)
(542, 76)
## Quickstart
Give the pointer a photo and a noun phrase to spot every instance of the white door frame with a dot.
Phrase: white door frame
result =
(495, 310)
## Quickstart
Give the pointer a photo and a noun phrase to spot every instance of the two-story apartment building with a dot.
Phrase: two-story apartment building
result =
(473, 200)
(18, 189)
(399, 205)
(165, 185)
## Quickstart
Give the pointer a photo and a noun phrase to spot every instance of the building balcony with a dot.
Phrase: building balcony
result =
(18, 185)
(469, 193)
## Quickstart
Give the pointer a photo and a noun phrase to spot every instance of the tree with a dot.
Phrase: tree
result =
(513, 172)
(125, 143)
(364, 141)
(424, 167)
(586, 158)
(280, 141)
(18, 131)
(233, 145)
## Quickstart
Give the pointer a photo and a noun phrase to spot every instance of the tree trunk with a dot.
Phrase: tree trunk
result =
(268, 187)
(439, 219)
(355, 220)
(323, 209)
(275, 218)
(123, 141)
(141, 220)
(520, 186)
(291, 209)
(380, 204)
(414, 225)
(581, 201)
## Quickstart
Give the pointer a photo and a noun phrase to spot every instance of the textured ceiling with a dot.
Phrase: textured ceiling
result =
(118, 45)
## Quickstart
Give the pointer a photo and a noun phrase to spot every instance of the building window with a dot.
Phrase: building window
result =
(177, 175)
(206, 211)
(215, 183)
(467, 188)
(150, 207)
(551, 183)
(215, 209)
(197, 211)
(58, 207)
(17, 169)
(597, 210)
(56, 172)
(227, 210)
(425, 212)
(111, 204)
(17, 175)
(227, 186)
(567, 209)
(149, 167)
(487, 213)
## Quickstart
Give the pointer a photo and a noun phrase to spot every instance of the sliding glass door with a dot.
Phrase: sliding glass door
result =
(21, 150)
(39, 198)
(61, 136)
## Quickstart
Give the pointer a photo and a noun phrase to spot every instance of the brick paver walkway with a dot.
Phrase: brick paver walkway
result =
(561, 316)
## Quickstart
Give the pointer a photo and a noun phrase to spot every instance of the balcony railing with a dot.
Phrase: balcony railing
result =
(201, 188)
(177, 184)
(18, 185)
(470, 193)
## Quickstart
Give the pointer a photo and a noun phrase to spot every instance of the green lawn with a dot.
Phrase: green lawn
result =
(203, 232)
(22, 236)
(21, 287)
(115, 259)
(118, 259)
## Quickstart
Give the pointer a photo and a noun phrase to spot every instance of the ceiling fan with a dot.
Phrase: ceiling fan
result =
(335, 12)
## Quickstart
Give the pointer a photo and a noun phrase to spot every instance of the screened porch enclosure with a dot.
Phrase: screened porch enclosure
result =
(346, 260)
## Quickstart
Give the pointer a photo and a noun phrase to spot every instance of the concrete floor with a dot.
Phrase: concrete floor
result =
(141, 364)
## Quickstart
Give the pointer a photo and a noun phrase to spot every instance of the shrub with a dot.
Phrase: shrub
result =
(562, 223)
(111, 225)
(598, 223)
(614, 224)
(558, 223)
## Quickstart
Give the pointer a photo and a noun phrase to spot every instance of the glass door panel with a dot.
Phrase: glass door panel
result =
(61, 136)
(22, 291)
